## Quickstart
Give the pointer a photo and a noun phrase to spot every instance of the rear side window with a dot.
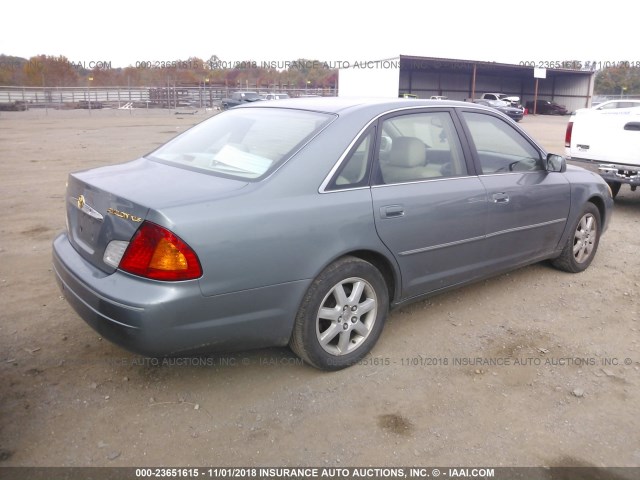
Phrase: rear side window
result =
(500, 147)
(247, 143)
(354, 171)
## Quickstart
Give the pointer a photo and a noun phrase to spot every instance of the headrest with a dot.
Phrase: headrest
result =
(407, 152)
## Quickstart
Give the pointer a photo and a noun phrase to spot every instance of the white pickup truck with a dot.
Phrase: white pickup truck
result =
(512, 100)
(609, 138)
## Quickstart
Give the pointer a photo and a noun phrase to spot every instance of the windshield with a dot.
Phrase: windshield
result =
(248, 142)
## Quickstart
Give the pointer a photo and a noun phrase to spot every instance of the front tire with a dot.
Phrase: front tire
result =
(582, 243)
(342, 315)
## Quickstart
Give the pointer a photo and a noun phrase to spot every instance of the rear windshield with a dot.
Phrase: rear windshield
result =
(247, 143)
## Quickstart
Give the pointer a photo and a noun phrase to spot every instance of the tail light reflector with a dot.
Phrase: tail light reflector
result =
(567, 135)
(156, 253)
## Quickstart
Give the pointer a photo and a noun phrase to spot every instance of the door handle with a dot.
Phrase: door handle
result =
(500, 198)
(391, 211)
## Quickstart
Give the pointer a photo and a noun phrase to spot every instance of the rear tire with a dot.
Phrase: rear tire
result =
(582, 244)
(342, 315)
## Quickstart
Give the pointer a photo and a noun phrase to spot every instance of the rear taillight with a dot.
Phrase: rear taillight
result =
(567, 135)
(156, 253)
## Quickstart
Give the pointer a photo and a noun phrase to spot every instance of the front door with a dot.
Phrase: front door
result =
(528, 206)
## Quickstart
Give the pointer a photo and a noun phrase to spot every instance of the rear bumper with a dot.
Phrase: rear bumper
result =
(612, 172)
(167, 318)
(517, 116)
(620, 173)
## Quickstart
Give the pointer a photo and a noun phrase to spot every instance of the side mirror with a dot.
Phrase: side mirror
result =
(556, 163)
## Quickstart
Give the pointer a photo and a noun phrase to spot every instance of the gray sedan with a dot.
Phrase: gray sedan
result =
(302, 222)
(505, 107)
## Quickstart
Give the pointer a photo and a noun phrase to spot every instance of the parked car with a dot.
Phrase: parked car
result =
(89, 104)
(238, 98)
(438, 97)
(92, 104)
(547, 107)
(408, 95)
(301, 222)
(610, 140)
(612, 107)
(505, 107)
(616, 105)
(512, 100)
(15, 106)
(274, 96)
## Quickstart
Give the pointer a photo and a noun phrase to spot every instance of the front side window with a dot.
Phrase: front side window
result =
(419, 146)
(500, 147)
(244, 143)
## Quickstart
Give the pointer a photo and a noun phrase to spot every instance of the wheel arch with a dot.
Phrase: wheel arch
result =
(599, 203)
(384, 266)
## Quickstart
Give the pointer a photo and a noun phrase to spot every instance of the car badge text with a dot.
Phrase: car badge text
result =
(124, 215)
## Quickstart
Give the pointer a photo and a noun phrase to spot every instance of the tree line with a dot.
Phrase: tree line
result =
(621, 80)
(59, 71)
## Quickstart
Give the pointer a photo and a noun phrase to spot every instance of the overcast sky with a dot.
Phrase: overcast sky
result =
(126, 32)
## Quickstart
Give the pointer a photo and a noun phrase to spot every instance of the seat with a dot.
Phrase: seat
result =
(407, 162)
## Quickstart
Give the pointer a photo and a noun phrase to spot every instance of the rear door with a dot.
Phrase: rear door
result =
(527, 206)
(429, 206)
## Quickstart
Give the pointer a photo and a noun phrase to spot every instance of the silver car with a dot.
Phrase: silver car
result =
(302, 222)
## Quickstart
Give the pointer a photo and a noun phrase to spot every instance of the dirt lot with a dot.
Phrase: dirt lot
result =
(563, 392)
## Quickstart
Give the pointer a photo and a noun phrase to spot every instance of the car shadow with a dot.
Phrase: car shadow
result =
(627, 200)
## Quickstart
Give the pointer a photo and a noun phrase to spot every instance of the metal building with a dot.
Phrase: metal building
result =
(465, 80)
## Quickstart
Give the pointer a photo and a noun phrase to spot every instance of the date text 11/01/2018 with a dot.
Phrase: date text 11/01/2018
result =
(579, 65)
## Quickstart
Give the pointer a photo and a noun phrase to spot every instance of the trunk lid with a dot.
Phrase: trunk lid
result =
(110, 203)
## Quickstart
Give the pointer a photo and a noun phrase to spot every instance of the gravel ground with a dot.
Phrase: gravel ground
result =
(559, 390)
